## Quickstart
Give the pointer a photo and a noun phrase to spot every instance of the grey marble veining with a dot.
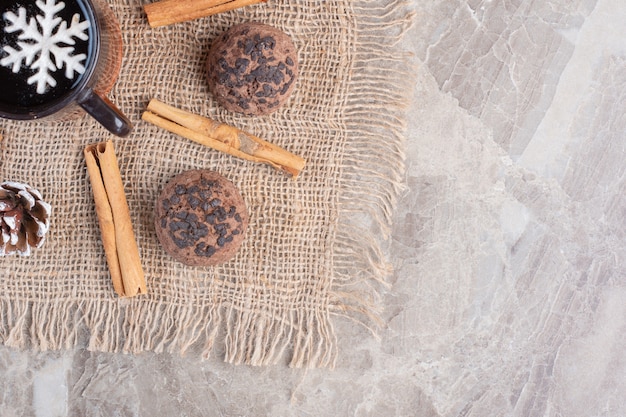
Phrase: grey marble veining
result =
(509, 246)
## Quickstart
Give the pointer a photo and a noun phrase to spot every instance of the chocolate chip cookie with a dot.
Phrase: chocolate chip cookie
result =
(200, 218)
(252, 68)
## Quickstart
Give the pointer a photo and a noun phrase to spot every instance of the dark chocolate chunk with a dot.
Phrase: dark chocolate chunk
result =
(221, 229)
(201, 250)
(181, 243)
(193, 202)
(222, 63)
(221, 214)
(242, 65)
(174, 226)
(202, 231)
(248, 47)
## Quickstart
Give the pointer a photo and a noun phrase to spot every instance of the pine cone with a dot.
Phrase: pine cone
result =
(23, 219)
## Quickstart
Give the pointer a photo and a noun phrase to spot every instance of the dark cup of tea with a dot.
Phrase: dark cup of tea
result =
(58, 57)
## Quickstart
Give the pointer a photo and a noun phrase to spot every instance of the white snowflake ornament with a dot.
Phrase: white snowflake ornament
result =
(41, 44)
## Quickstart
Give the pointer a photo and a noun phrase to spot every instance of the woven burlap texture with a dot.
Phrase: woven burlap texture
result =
(313, 246)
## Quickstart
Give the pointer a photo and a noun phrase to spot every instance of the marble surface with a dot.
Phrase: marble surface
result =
(509, 247)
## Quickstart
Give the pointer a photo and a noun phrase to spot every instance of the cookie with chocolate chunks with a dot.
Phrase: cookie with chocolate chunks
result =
(200, 218)
(252, 68)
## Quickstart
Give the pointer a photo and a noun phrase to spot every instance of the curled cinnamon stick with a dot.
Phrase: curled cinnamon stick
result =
(222, 137)
(116, 230)
(167, 12)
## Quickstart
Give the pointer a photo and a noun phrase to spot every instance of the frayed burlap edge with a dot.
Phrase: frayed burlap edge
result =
(379, 92)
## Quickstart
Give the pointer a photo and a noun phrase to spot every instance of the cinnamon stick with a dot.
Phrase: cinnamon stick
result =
(113, 214)
(222, 137)
(167, 12)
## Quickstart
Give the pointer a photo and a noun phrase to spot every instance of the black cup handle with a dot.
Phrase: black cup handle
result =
(105, 112)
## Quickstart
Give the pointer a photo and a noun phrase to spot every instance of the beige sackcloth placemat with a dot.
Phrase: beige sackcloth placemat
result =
(313, 248)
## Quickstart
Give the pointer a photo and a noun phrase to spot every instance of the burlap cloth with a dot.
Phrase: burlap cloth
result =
(313, 245)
